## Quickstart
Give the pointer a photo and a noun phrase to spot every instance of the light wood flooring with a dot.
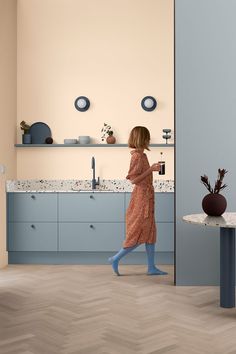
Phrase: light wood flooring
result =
(66, 309)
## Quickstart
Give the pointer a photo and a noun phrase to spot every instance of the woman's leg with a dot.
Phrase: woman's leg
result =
(114, 261)
(152, 269)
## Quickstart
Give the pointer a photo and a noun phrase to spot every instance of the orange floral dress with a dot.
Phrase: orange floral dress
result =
(140, 219)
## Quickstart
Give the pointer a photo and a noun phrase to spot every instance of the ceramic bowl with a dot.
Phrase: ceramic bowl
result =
(70, 141)
(84, 139)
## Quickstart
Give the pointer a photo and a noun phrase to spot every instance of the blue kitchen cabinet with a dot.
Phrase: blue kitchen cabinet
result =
(91, 221)
(37, 207)
(32, 222)
(32, 236)
(76, 223)
(99, 237)
(91, 207)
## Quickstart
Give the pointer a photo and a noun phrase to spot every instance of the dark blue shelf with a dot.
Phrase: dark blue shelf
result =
(85, 145)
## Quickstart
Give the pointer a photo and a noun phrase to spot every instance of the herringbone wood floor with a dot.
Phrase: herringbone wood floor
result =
(66, 309)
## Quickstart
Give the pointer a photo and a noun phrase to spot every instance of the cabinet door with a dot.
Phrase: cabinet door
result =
(164, 206)
(32, 236)
(32, 207)
(165, 237)
(91, 236)
(96, 207)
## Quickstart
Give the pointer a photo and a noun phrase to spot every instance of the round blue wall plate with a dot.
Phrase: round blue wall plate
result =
(39, 131)
(149, 103)
(82, 103)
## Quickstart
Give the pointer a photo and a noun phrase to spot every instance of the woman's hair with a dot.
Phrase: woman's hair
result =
(139, 138)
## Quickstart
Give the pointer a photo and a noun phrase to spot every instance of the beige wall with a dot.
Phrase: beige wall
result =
(7, 108)
(113, 51)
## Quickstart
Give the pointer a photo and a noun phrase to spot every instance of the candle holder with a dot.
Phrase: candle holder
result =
(166, 136)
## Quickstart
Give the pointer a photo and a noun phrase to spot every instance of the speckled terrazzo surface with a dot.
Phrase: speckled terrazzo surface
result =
(49, 186)
(226, 220)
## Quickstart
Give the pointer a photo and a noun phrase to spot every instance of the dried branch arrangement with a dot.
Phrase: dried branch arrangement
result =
(218, 183)
(106, 130)
(25, 127)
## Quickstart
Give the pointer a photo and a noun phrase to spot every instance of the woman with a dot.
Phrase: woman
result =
(140, 220)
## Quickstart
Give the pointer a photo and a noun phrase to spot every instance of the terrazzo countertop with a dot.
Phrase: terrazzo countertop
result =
(225, 220)
(50, 186)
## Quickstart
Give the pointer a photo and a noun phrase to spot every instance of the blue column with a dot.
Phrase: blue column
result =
(227, 267)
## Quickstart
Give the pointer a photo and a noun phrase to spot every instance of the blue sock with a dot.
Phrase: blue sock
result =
(152, 269)
(114, 261)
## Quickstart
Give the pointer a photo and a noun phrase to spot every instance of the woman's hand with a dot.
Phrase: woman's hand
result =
(156, 167)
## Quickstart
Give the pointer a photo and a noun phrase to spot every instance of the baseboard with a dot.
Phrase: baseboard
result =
(84, 258)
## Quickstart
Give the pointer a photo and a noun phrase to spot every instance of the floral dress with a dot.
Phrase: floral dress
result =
(140, 220)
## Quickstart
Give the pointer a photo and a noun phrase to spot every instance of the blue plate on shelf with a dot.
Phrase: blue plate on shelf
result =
(39, 131)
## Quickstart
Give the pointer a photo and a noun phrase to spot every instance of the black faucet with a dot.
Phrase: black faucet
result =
(94, 182)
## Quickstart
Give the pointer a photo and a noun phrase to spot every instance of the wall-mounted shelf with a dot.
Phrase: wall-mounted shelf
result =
(85, 145)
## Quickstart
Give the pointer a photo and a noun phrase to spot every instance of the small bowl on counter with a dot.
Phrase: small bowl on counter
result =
(70, 141)
(84, 139)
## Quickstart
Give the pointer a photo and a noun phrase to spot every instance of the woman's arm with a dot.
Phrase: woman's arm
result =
(139, 178)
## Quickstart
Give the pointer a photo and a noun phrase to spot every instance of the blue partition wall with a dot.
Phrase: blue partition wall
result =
(205, 119)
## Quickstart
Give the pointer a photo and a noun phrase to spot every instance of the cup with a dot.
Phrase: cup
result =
(162, 170)
(84, 139)
(26, 139)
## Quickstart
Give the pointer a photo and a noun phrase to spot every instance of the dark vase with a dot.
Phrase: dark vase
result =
(214, 204)
(111, 139)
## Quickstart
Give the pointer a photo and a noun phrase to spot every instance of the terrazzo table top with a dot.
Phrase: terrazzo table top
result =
(226, 220)
(50, 186)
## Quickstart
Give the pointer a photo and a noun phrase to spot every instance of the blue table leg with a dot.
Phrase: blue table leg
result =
(227, 267)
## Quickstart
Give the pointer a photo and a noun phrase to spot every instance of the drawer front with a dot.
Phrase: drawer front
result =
(32, 207)
(96, 207)
(91, 236)
(32, 236)
(164, 206)
(165, 238)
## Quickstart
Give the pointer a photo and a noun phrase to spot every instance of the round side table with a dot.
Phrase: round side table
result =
(227, 225)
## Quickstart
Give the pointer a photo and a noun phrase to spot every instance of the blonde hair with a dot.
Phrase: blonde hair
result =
(139, 138)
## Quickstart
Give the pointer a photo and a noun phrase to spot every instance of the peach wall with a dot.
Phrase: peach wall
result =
(113, 51)
(7, 109)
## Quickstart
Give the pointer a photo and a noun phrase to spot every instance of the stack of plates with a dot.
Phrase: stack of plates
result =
(70, 141)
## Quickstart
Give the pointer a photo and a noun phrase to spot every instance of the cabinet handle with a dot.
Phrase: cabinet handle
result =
(91, 196)
(33, 196)
(91, 226)
(33, 226)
